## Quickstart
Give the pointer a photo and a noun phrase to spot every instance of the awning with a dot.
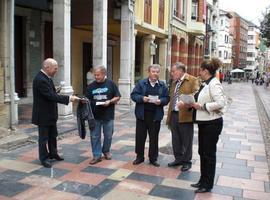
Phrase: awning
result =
(237, 71)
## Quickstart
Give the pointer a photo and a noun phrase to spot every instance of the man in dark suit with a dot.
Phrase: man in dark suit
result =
(45, 112)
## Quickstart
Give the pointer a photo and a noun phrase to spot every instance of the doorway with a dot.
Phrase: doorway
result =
(20, 67)
(48, 40)
(87, 62)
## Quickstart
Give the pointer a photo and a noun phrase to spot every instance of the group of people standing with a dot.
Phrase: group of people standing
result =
(150, 95)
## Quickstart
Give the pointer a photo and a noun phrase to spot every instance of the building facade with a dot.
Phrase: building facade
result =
(225, 40)
(187, 30)
(252, 48)
(239, 31)
(150, 36)
(212, 26)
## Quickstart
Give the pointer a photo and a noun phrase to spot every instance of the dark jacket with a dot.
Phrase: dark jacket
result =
(139, 92)
(84, 112)
(45, 112)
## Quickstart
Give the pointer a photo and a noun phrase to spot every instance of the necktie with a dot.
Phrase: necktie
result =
(176, 94)
(51, 82)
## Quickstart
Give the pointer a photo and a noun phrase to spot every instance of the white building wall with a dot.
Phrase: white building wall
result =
(252, 51)
(224, 41)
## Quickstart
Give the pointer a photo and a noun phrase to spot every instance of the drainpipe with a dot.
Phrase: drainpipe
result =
(169, 46)
(11, 66)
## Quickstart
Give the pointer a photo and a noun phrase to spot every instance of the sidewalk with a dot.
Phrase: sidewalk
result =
(241, 173)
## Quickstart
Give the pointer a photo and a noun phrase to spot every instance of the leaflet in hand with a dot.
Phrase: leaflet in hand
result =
(153, 98)
(98, 103)
(187, 98)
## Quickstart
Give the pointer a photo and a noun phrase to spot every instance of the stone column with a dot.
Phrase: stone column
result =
(126, 54)
(8, 101)
(100, 10)
(147, 57)
(61, 50)
(133, 59)
(162, 58)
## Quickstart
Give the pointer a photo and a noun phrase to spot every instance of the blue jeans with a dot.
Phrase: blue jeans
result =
(108, 127)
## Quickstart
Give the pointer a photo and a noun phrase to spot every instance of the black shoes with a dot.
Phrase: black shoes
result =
(196, 185)
(138, 161)
(185, 167)
(154, 163)
(202, 190)
(46, 164)
(57, 157)
(95, 161)
(175, 163)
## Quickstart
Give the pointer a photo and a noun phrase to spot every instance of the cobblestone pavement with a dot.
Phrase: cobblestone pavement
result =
(242, 170)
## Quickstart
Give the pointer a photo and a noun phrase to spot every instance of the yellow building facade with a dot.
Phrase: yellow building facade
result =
(151, 33)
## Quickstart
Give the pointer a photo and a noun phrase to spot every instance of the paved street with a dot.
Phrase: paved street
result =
(242, 169)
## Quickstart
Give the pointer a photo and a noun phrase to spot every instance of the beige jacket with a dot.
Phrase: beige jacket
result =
(190, 85)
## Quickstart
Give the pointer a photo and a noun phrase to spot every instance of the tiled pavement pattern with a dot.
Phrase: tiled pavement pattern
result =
(242, 170)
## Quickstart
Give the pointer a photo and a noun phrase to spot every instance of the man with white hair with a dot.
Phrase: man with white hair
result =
(45, 112)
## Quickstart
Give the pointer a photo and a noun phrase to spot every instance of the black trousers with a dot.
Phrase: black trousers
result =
(152, 127)
(208, 138)
(182, 139)
(47, 136)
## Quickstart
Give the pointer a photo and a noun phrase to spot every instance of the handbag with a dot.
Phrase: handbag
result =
(228, 102)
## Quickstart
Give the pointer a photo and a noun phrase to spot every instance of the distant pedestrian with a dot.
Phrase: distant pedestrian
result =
(221, 76)
(150, 96)
(90, 76)
(209, 99)
(103, 95)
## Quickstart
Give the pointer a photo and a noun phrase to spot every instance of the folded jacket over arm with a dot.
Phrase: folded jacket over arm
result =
(84, 113)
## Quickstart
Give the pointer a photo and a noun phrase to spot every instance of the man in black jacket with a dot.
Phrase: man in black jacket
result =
(45, 112)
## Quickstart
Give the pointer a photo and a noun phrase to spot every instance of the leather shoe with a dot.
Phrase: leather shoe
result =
(138, 161)
(196, 185)
(185, 168)
(46, 164)
(202, 190)
(154, 163)
(174, 163)
(95, 161)
(108, 156)
(57, 157)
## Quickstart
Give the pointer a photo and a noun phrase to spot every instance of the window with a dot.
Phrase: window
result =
(182, 10)
(250, 37)
(175, 8)
(147, 11)
(161, 14)
(220, 54)
(225, 54)
(179, 9)
(226, 39)
(194, 10)
(250, 54)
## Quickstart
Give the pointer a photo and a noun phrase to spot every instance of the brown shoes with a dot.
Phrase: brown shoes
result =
(108, 156)
(95, 161)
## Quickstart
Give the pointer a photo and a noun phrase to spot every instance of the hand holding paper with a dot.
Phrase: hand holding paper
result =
(187, 98)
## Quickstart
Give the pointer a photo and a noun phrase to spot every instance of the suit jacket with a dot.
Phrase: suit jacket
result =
(45, 112)
(190, 85)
